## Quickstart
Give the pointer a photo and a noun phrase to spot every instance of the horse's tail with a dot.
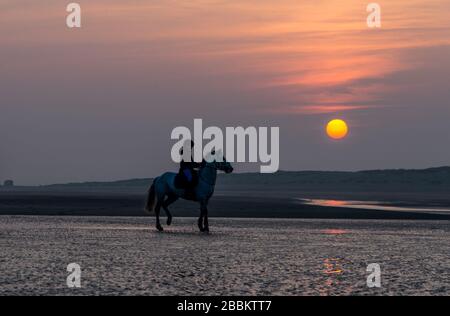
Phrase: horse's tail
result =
(151, 199)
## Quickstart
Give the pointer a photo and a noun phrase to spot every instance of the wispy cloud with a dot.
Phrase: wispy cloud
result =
(322, 109)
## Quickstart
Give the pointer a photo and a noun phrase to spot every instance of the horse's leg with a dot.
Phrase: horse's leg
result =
(200, 219)
(170, 199)
(202, 216)
(157, 211)
(205, 217)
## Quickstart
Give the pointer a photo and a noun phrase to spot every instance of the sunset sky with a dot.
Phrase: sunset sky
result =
(100, 102)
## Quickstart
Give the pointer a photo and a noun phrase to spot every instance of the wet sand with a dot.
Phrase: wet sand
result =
(268, 205)
(126, 256)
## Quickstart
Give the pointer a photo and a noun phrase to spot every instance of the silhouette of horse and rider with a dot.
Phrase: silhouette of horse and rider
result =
(188, 184)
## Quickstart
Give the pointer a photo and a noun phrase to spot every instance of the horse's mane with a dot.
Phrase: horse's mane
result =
(213, 154)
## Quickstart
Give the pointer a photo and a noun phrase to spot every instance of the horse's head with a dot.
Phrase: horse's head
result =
(219, 164)
(224, 166)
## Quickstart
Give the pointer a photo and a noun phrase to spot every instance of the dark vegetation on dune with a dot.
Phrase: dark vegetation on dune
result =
(433, 179)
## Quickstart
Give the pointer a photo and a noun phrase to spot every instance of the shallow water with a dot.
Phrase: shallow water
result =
(373, 205)
(240, 256)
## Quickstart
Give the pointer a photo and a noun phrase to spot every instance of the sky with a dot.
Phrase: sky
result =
(99, 103)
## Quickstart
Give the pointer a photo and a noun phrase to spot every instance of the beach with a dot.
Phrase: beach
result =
(126, 256)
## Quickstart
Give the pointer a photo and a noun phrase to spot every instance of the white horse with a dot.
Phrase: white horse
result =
(163, 192)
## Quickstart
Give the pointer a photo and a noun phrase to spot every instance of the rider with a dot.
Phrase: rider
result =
(189, 174)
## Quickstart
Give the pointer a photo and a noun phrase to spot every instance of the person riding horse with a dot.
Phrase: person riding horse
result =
(164, 190)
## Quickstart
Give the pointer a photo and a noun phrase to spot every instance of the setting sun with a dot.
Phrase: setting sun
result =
(337, 129)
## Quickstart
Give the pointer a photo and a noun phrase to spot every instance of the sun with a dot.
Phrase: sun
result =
(337, 129)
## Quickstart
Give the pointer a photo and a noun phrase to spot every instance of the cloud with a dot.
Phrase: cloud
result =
(324, 109)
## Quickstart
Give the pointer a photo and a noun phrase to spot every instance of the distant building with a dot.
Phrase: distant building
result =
(8, 183)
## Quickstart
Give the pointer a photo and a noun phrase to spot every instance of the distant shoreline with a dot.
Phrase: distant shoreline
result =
(436, 178)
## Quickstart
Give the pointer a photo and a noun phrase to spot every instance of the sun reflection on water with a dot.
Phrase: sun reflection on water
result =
(332, 270)
(333, 266)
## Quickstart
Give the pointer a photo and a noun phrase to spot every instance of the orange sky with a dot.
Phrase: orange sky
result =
(301, 44)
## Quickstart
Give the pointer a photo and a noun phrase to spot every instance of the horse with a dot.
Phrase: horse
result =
(163, 192)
